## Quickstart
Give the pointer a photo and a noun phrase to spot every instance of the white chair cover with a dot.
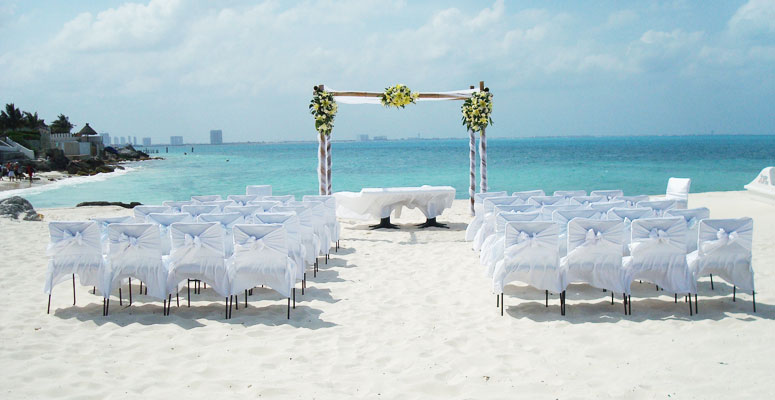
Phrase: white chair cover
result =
(309, 239)
(658, 251)
(692, 216)
(595, 255)
(290, 222)
(563, 217)
(678, 190)
(607, 194)
(632, 201)
(318, 211)
(261, 258)
(197, 253)
(725, 250)
(142, 211)
(227, 221)
(526, 194)
(476, 223)
(175, 206)
(586, 200)
(530, 256)
(659, 206)
(567, 194)
(74, 249)
(488, 225)
(547, 200)
(492, 248)
(605, 206)
(331, 221)
(164, 221)
(241, 199)
(548, 211)
(265, 204)
(259, 190)
(205, 198)
(246, 211)
(627, 215)
(220, 204)
(198, 209)
(104, 222)
(135, 252)
(282, 199)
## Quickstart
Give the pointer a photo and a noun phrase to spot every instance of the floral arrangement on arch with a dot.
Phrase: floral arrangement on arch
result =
(324, 108)
(477, 110)
(398, 96)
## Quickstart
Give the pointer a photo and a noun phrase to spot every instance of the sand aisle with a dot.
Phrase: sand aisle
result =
(394, 314)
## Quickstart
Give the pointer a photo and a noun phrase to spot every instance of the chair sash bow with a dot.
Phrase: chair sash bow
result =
(70, 237)
(194, 240)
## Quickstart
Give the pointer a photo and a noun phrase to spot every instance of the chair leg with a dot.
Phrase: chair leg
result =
(177, 298)
(612, 297)
(695, 304)
(48, 309)
(169, 303)
(547, 300)
(629, 304)
(624, 298)
(73, 289)
(227, 309)
(753, 293)
(690, 305)
(93, 290)
(497, 300)
(130, 291)
(188, 292)
(231, 304)
(711, 281)
(502, 300)
(676, 297)
(164, 307)
(107, 306)
(141, 287)
(289, 308)
(303, 283)
(236, 302)
(120, 298)
(734, 293)
(246, 298)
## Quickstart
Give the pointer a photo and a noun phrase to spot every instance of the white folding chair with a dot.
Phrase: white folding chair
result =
(531, 256)
(631, 201)
(282, 199)
(678, 190)
(265, 204)
(548, 211)
(164, 221)
(725, 250)
(526, 194)
(135, 252)
(605, 206)
(626, 216)
(197, 255)
(241, 199)
(296, 250)
(246, 211)
(658, 255)
(331, 221)
(607, 194)
(586, 200)
(318, 212)
(476, 223)
(227, 221)
(74, 249)
(659, 206)
(492, 249)
(567, 194)
(692, 216)
(104, 222)
(488, 224)
(220, 204)
(547, 201)
(142, 211)
(309, 239)
(205, 198)
(595, 256)
(563, 217)
(261, 258)
(259, 190)
(175, 206)
(198, 209)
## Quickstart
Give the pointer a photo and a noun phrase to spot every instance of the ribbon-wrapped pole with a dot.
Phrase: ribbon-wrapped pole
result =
(483, 162)
(328, 164)
(472, 162)
(322, 175)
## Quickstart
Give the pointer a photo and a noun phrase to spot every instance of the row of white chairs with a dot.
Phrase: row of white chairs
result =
(309, 229)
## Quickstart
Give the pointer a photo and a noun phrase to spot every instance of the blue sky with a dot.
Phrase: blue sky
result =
(164, 68)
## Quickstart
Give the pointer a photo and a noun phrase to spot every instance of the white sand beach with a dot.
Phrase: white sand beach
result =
(43, 178)
(394, 314)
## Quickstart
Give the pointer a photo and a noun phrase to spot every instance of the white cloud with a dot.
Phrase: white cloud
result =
(754, 19)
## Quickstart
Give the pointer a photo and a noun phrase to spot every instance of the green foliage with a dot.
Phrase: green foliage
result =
(398, 96)
(61, 125)
(477, 110)
(11, 118)
(324, 108)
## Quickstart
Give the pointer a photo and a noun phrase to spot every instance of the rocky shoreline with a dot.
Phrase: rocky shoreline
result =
(57, 161)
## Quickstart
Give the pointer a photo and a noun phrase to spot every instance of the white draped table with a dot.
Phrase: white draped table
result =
(379, 203)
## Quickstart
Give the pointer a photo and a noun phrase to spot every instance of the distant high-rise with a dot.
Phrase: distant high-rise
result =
(105, 138)
(176, 140)
(146, 141)
(115, 140)
(216, 136)
(363, 138)
(134, 140)
(122, 140)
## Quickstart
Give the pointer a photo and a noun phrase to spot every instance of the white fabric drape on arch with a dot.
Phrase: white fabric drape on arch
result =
(376, 100)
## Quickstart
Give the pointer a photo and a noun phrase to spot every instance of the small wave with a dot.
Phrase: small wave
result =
(76, 180)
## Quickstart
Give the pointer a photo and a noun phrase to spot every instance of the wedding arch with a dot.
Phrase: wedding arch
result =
(476, 110)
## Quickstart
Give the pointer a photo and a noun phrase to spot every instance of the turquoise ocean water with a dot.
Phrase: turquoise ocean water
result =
(638, 165)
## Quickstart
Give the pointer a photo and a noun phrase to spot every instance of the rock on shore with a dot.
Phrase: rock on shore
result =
(14, 207)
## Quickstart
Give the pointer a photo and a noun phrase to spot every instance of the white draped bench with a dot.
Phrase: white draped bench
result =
(379, 203)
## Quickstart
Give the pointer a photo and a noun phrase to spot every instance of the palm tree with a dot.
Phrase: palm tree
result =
(32, 121)
(11, 118)
(61, 125)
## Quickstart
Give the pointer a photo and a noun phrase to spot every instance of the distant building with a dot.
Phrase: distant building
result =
(122, 140)
(87, 142)
(363, 138)
(146, 141)
(134, 140)
(380, 138)
(115, 140)
(105, 138)
(216, 136)
(176, 140)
